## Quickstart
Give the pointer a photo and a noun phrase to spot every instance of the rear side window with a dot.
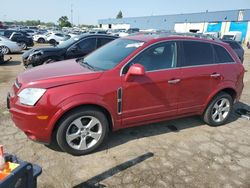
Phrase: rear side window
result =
(197, 53)
(222, 55)
(102, 41)
(234, 45)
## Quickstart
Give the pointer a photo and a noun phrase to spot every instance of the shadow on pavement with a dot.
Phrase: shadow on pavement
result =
(125, 135)
(94, 181)
(11, 63)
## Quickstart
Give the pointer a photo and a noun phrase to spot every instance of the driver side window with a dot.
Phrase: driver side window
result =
(87, 45)
(158, 57)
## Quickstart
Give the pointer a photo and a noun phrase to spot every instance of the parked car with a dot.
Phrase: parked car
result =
(55, 38)
(232, 35)
(20, 37)
(131, 81)
(31, 32)
(1, 57)
(51, 37)
(2, 60)
(73, 48)
(237, 48)
(8, 46)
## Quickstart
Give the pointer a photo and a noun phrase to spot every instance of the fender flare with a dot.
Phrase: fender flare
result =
(221, 87)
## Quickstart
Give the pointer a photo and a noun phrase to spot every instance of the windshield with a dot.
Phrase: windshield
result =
(228, 37)
(67, 42)
(112, 54)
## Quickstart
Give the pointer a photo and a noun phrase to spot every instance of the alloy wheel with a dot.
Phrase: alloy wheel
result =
(83, 133)
(4, 50)
(221, 110)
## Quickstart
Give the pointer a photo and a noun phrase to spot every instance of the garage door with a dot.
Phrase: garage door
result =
(239, 26)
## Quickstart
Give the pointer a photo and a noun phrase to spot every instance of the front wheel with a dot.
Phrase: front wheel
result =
(218, 110)
(82, 131)
(4, 50)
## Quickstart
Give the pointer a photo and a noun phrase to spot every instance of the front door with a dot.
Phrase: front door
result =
(81, 48)
(152, 96)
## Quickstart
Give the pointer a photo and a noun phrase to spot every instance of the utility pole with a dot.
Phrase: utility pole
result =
(71, 14)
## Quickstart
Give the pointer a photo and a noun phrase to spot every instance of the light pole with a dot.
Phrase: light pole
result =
(71, 13)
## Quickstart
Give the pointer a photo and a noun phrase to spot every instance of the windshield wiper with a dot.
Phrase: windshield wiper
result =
(85, 64)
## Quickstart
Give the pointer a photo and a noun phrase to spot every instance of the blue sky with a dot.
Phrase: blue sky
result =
(89, 11)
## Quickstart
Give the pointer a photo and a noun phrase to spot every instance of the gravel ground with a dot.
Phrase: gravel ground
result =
(177, 153)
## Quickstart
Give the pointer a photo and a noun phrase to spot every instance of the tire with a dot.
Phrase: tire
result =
(76, 132)
(24, 45)
(218, 110)
(41, 40)
(52, 41)
(4, 50)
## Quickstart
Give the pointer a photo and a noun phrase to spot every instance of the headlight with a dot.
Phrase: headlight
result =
(30, 96)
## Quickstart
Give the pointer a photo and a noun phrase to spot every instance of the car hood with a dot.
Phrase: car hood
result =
(51, 49)
(57, 74)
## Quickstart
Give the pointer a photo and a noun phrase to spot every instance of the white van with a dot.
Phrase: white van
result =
(232, 35)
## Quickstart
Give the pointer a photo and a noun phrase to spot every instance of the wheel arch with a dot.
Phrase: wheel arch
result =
(74, 108)
(229, 90)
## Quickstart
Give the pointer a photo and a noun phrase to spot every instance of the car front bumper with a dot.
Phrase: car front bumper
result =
(26, 119)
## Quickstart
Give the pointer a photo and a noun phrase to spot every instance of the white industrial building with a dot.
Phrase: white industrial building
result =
(219, 21)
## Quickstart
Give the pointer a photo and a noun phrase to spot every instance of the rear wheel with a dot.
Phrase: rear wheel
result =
(23, 45)
(82, 131)
(219, 109)
(52, 41)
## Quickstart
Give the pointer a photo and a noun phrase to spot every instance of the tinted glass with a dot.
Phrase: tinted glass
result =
(160, 56)
(8, 33)
(102, 41)
(197, 53)
(87, 45)
(222, 55)
(106, 57)
(68, 43)
(17, 34)
(59, 35)
(234, 45)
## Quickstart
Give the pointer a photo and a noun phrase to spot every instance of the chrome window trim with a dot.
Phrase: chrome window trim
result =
(175, 40)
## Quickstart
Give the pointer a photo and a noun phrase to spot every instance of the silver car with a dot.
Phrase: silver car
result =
(8, 46)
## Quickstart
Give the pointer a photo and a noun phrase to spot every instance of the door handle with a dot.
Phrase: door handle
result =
(215, 75)
(175, 81)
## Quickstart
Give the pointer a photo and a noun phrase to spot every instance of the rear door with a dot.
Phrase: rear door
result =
(199, 75)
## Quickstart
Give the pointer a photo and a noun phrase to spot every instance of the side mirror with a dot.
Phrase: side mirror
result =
(135, 70)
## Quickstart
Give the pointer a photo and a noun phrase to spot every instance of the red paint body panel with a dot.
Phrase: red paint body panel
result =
(147, 98)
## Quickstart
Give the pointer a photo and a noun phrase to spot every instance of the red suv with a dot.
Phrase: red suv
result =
(129, 82)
